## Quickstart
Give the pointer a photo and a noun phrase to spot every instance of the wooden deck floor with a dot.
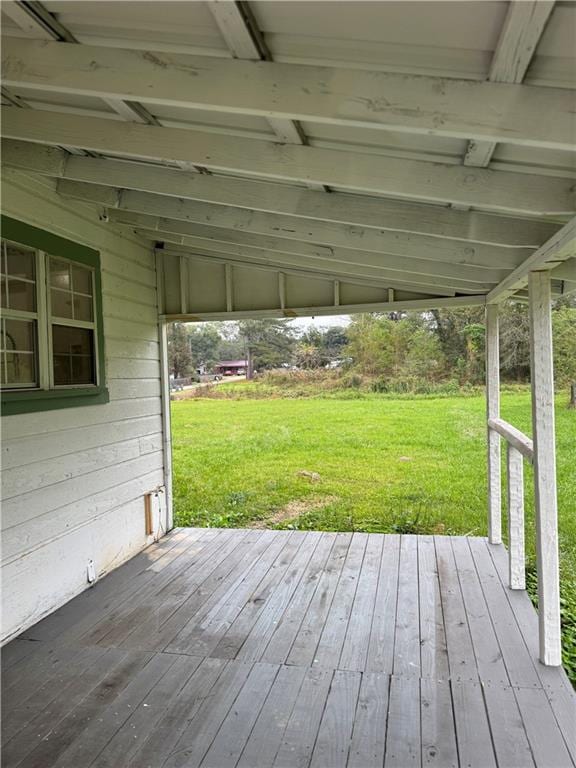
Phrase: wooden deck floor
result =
(252, 648)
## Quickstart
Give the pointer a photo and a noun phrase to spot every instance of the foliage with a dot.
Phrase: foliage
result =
(179, 355)
(394, 350)
(204, 342)
(269, 342)
(386, 463)
(564, 329)
(399, 352)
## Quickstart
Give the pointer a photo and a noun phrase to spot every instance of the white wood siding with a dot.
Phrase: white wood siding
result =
(73, 480)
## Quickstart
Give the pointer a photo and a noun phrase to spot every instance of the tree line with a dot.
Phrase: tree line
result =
(395, 351)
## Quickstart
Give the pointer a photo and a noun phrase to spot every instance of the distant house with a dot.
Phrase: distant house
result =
(231, 367)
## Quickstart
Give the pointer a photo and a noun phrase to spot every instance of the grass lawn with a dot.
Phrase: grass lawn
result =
(377, 464)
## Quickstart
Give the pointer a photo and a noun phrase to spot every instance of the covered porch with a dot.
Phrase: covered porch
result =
(253, 648)
(219, 161)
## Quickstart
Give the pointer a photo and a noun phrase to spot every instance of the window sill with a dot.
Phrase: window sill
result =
(33, 401)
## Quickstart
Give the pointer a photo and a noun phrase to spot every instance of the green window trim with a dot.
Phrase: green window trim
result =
(34, 400)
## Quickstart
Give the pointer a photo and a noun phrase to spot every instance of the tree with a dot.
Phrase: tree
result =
(328, 344)
(179, 356)
(514, 341)
(269, 343)
(307, 356)
(205, 344)
(564, 340)
(449, 326)
(395, 350)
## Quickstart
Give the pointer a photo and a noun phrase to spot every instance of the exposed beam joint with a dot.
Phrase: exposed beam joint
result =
(516, 114)
(522, 30)
(35, 19)
(245, 41)
(560, 247)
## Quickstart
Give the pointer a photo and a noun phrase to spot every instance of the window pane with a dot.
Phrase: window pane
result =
(60, 274)
(74, 359)
(21, 295)
(82, 308)
(21, 261)
(82, 279)
(83, 370)
(19, 335)
(20, 369)
(71, 341)
(3, 288)
(61, 303)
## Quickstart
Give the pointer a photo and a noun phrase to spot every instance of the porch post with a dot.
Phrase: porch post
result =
(165, 391)
(166, 423)
(493, 412)
(542, 377)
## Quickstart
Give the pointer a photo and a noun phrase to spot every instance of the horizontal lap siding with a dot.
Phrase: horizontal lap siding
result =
(73, 480)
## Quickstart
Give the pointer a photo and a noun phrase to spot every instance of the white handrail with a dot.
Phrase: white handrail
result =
(514, 437)
(519, 446)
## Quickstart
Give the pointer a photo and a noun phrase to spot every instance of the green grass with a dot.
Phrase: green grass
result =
(414, 465)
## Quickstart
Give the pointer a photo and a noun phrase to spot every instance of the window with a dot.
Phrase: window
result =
(51, 345)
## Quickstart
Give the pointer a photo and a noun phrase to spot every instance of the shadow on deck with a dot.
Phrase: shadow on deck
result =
(262, 648)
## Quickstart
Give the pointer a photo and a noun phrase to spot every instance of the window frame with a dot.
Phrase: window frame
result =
(47, 396)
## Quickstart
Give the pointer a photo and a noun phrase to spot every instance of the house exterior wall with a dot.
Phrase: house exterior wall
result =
(73, 480)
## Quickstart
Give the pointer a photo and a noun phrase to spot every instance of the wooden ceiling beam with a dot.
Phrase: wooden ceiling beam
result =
(351, 263)
(289, 229)
(499, 191)
(340, 208)
(356, 257)
(521, 33)
(560, 248)
(417, 305)
(516, 114)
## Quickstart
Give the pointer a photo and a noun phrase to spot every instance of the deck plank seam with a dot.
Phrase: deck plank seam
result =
(306, 606)
(269, 603)
(543, 685)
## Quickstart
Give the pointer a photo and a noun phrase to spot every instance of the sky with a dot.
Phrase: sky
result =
(320, 322)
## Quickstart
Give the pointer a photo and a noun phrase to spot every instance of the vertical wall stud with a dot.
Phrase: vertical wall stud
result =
(542, 376)
(516, 561)
(493, 412)
(183, 285)
(228, 276)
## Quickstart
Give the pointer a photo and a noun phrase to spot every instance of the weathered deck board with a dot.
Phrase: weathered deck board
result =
(273, 649)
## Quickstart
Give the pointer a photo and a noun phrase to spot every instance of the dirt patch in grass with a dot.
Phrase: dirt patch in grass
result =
(293, 510)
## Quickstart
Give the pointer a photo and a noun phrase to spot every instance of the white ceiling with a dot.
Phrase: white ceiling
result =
(439, 39)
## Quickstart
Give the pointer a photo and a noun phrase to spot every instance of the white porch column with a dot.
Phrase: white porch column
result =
(542, 377)
(493, 412)
(165, 392)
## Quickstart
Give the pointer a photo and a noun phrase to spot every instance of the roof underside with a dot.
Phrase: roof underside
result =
(308, 158)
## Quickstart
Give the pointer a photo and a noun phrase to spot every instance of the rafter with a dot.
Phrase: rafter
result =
(516, 114)
(522, 30)
(245, 41)
(418, 305)
(498, 191)
(376, 277)
(40, 23)
(559, 248)
(420, 260)
(355, 210)
(387, 268)
(281, 228)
